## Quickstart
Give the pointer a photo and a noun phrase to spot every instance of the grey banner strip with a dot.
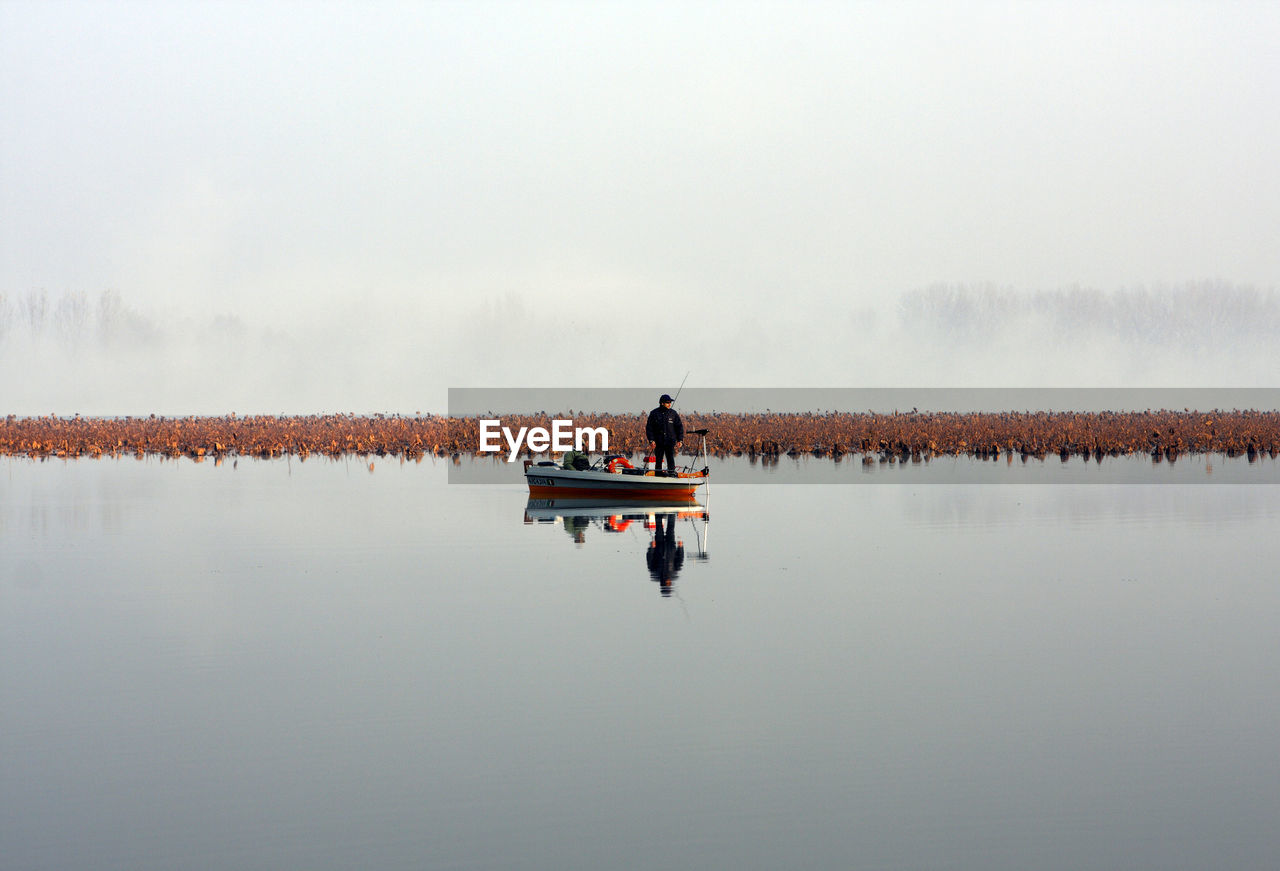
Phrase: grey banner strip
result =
(867, 463)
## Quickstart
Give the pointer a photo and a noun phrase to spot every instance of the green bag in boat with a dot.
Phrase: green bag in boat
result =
(575, 460)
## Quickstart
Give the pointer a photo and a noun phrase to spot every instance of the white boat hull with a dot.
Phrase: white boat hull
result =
(552, 481)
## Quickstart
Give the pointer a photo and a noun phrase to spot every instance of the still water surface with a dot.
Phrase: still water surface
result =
(305, 665)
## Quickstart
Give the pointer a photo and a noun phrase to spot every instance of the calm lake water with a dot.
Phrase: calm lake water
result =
(285, 665)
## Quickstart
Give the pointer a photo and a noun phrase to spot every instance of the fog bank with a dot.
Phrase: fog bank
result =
(99, 354)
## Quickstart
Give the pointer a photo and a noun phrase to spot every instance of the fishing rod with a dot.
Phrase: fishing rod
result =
(681, 387)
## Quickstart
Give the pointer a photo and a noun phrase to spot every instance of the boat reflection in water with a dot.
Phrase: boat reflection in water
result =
(660, 521)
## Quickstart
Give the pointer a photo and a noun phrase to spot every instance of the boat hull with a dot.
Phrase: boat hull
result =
(546, 482)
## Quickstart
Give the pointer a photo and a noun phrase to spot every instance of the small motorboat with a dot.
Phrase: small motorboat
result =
(614, 477)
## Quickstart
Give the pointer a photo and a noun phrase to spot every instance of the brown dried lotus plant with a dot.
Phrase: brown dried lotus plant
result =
(890, 437)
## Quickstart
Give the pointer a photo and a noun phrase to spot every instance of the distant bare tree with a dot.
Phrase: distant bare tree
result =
(36, 307)
(110, 315)
(117, 323)
(6, 315)
(71, 318)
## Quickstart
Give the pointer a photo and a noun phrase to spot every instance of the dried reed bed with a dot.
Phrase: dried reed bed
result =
(1161, 434)
(266, 437)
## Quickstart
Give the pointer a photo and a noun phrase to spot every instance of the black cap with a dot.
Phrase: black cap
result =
(665, 398)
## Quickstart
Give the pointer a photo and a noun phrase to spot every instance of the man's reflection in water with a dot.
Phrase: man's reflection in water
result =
(666, 554)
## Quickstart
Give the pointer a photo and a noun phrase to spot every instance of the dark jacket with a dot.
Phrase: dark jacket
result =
(664, 426)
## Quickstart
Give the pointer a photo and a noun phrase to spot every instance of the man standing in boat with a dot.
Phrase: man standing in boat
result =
(665, 432)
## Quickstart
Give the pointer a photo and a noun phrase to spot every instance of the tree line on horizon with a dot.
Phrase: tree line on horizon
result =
(73, 318)
(1191, 316)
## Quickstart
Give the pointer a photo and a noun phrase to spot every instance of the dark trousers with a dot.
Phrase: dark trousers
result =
(660, 450)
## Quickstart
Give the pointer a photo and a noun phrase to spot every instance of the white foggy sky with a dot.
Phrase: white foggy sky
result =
(378, 188)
